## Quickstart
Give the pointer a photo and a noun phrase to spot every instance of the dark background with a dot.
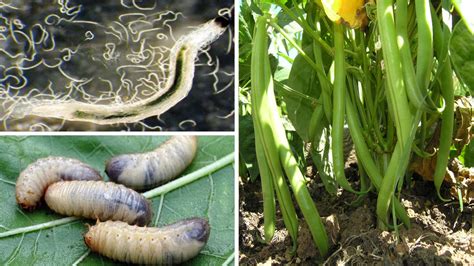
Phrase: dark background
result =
(202, 105)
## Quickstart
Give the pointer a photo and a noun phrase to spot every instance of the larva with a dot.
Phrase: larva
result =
(171, 244)
(147, 170)
(98, 200)
(181, 73)
(33, 181)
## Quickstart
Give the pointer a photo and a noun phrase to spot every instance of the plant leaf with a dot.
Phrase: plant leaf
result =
(461, 47)
(464, 7)
(211, 197)
(247, 146)
(304, 80)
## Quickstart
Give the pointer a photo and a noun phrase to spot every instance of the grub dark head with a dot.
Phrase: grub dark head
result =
(115, 166)
(144, 213)
(199, 229)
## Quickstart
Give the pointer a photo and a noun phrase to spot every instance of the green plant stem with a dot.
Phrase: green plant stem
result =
(287, 160)
(37, 227)
(266, 179)
(424, 58)
(337, 132)
(446, 127)
(395, 170)
(191, 177)
(307, 28)
(369, 104)
(447, 90)
(81, 258)
(264, 113)
(285, 89)
(368, 163)
(323, 80)
(317, 68)
(229, 259)
(372, 134)
(447, 124)
(416, 92)
(397, 97)
(398, 107)
(353, 93)
(304, 200)
(438, 41)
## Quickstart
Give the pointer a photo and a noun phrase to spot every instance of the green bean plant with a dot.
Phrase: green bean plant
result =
(387, 70)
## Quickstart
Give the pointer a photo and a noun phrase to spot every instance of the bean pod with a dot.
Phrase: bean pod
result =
(147, 170)
(34, 180)
(171, 244)
(99, 200)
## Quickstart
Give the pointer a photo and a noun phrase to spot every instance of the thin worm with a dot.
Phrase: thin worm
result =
(171, 244)
(99, 200)
(147, 170)
(181, 73)
(33, 181)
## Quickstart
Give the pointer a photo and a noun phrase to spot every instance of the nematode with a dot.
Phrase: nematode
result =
(181, 73)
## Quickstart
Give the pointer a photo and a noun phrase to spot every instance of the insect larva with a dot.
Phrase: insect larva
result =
(98, 200)
(171, 244)
(34, 180)
(147, 170)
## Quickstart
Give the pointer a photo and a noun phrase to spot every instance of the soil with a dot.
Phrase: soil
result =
(439, 235)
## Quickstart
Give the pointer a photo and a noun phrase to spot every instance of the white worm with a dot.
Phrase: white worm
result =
(147, 170)
(33, 181)
(98, 200)
(181, 73)
(171, 244)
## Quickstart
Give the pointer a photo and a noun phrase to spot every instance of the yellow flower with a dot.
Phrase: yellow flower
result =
(349, 12)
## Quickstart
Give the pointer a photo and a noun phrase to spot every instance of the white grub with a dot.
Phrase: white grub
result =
(147, 170)
(171, 244)
(35, 179)
(99, 200)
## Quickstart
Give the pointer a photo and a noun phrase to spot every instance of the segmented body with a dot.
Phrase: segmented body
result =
(171, 244)
(99, 200)
(148, 170)
(33, 181)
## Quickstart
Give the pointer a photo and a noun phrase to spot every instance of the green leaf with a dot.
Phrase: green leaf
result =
(469, 154)
(461, 47)
(247, 146)
(464, 7)
(284, 19)
(304, 80)
(321, 154)
(297, 147)
(246, 26)
(211, 197)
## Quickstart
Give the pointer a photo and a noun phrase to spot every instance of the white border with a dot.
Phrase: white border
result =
(236, 130)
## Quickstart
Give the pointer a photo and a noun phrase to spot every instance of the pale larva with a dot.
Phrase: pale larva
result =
(147, 170)
(33, 181)
(98, 200)
(171, 244)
